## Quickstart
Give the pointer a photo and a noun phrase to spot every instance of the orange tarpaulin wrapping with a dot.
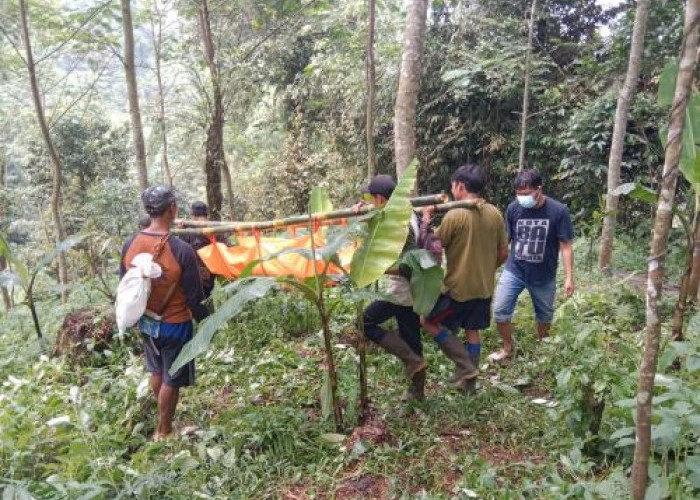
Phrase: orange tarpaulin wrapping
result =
(231, 261)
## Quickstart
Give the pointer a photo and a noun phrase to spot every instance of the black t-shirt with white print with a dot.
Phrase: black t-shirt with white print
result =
(534, 235)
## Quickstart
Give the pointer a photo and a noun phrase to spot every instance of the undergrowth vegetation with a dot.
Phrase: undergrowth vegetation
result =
(555, 423)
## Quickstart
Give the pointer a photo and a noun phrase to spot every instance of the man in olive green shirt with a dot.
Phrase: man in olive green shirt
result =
(475, 244)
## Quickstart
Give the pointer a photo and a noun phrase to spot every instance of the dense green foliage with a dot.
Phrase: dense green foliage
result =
(82, 431)
(556, 423)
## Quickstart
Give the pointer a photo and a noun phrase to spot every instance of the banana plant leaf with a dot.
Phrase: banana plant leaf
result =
(426, 279)
(320, 202)
(244, 291)
(690, 159)
(386, 234)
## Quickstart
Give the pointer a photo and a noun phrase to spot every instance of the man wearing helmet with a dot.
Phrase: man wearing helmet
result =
(176, 297)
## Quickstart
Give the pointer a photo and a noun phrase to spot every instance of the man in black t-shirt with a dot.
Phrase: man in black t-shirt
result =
(538, 227)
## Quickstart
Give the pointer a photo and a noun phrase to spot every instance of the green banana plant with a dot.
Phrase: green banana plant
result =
(381, 246)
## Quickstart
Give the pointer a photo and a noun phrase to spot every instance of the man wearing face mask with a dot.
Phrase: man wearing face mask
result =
(539, 228)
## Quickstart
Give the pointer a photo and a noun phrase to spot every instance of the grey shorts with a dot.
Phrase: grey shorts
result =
(162, 352)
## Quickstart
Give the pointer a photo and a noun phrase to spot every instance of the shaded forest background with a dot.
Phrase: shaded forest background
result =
(292, 78)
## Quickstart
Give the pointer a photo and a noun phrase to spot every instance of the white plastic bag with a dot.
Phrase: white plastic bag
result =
(133, 290)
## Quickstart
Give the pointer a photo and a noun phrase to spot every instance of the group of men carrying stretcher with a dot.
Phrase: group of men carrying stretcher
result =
(476, 242)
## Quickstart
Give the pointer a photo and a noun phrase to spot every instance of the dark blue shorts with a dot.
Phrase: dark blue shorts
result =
(472, 314)
(162, 352)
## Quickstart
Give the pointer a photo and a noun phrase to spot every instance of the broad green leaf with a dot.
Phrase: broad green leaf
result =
(637, 192)
(690, 160)
(320, 202)
(244, 291)
(332, 437)
(387, 233)
(667, 83)
(426, 279)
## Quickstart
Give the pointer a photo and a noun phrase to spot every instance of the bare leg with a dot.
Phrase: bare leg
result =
(167, 401)
(156, 382)
(473, 336)
(506, 332)
(542, 330)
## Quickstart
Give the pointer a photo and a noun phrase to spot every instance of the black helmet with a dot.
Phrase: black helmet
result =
(157, 199)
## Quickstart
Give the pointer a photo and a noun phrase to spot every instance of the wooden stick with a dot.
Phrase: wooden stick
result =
(212, 227)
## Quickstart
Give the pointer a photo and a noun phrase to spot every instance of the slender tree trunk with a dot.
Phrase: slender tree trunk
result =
(657, 254)
(371, 91)
(215, 157)
(157, 52)
(694, 282)
(624, 102)
(58, 231)
(133, 94)
(229, 189)
(409, 82)
(3, 170)
(684, 291)
(5, 294)
(526, 90)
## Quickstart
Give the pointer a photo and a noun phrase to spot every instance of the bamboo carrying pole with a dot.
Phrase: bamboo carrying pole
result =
(336, 217)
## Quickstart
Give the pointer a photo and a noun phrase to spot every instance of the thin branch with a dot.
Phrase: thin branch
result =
(77, 30)
(14, 46)
(276, 30)
(77, 99)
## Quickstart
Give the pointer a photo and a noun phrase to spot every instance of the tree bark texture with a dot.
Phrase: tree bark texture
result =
(657, 254)
(215, 156)
(694, 282)
(684, 291)
(409, 82)
(157, 52)
(58, 231)
(624, 101)
(526, 90)
(371, 91)
(133, 95)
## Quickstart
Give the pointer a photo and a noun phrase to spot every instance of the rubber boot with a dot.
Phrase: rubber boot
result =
(393, 344)
(469, 386)
(454, 350)
(416, 391)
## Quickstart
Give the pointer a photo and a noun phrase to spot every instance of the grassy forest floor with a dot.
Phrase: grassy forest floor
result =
(554, 423)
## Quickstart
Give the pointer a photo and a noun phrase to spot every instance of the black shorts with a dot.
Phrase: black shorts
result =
(472, 314)
(162, 352)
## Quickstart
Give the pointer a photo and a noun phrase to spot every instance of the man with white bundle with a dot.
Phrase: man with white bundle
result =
(175, 298)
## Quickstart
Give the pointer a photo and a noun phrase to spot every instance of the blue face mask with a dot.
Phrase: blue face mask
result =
(527, 201)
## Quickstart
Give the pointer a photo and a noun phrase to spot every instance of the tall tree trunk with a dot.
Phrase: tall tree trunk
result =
(684, 291)
(371, 91)
(409, 81)
(133, 94)
(526, 90)
(215, 157)
(58, 231)
(694, 282)
(624, 101)
(657, 254)
(157, 52)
